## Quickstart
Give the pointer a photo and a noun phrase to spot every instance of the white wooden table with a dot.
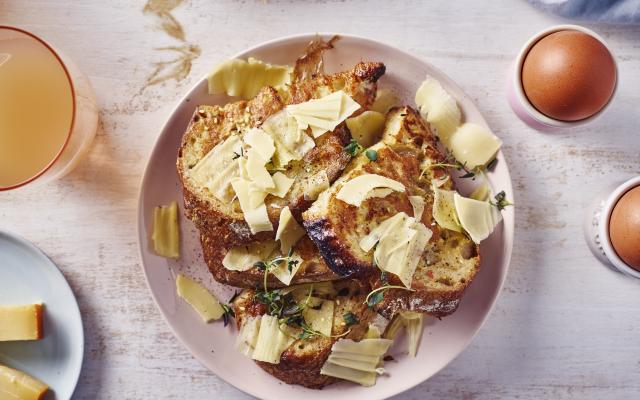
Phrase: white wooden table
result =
(564, 326)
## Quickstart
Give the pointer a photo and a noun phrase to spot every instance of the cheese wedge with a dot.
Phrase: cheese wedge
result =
(21, 322)
(16, 385)
(355, 191)
(166, 232)
(198, 297)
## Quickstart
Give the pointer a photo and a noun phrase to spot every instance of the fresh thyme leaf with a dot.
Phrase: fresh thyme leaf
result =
(501, 201)
(350, 319)
(375, 298)
(469, 174)
(227, 314)
(371, 155)
(260, 265)
(353, 148)
(238, 155)
(492, 164)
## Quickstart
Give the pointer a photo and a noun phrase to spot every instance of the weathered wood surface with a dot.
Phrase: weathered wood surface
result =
(564, 326)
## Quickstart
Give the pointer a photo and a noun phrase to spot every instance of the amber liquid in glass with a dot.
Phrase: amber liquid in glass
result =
(36, 109)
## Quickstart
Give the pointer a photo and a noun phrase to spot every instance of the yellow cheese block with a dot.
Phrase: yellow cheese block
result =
(199, 298)
(16, 385)
(21, 322)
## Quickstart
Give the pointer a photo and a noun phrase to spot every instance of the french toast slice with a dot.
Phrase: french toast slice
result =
(450, 259)
(312, 268)
(212, 125)
(301, 362)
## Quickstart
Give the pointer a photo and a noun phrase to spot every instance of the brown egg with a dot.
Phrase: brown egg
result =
(624, 228)
(569, 75)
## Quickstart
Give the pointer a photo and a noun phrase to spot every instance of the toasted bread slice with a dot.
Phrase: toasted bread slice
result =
(450, 260)
(301, 362)
(312, 269)
(211, 125)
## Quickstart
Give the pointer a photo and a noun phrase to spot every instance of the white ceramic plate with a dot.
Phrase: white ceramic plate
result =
(27, 275)
(213, 344)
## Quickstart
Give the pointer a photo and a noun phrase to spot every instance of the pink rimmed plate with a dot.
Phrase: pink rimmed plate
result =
(213, 344)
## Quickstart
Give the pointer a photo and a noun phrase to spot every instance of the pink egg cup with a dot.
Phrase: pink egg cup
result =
(518, 100)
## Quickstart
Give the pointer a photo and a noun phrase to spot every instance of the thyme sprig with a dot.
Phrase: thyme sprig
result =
(451, 162)
(377, 295)
(237, 155)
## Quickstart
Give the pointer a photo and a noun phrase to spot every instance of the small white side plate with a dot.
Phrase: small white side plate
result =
(27, 275)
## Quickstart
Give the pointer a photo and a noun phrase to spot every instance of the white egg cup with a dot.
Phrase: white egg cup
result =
(518, 99)
(596, 228)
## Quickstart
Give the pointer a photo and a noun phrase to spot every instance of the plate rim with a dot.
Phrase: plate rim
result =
(32, 247)
(508, 228)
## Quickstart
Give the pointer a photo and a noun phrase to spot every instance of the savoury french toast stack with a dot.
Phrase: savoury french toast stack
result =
(340, 240)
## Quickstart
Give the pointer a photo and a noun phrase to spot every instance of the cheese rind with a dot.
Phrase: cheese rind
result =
(198, 297)
(16, 385)
(21, 322)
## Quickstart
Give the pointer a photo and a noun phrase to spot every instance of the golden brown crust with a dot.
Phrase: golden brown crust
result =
(216, 123)
(336, 227)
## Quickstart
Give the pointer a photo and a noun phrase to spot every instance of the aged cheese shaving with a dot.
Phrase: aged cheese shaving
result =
(478, 218)
(207, 306)
(357, 365)
(366, 346)
(281, 270)
(257, 171)
(256, 217)
(242, 258)
(290, 141)
(16, 385)
(349, 374)
(417, 202)
(166, 232)
(282, 184)
(261, 142)
(438, 108)
(401, 241)
(248, 336)
(355, 191)
(474, 145)
(413, 323)
(217, 169)
(271, 342)
(324, 114)
(320, 320)
(444, 210)
(246, 78)
(289, 231)
(367, 127)
(385, 101)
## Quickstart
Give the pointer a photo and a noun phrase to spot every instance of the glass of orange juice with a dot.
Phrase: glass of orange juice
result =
(48, 112)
